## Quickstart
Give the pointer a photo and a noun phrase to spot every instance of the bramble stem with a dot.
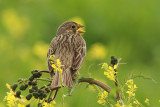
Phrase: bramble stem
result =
(96, 82)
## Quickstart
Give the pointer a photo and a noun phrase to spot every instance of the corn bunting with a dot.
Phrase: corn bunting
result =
(70, 48)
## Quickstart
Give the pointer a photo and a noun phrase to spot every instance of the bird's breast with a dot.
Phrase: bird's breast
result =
(65, 50)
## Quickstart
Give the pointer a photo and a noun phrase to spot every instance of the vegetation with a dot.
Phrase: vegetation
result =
(125, 29)
(107, 96)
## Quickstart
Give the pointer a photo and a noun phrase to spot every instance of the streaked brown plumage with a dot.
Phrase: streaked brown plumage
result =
(70, 47)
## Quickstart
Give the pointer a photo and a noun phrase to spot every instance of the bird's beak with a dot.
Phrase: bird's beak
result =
(80, 26)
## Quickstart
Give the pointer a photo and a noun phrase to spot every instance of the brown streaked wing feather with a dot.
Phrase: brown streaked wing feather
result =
(80, 52)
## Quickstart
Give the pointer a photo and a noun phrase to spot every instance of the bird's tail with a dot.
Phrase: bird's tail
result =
(66, 78)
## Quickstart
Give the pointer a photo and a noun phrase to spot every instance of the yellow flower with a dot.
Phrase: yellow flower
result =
(147, 101)
(131, 88)
(129, 81)
(115, 66)
(21, 105)
(52, 57)
(40, 49)
(56, 65)
(97, 52)
(135, 86)
(136, 102)
(78, 20)
(58, 62)
(105, 66)
(118, 104)
(60, 70)
(15, 24)
(8, 86)
(109, 71)
(102, 97)
(110, 68)
(59, 66)
(110, 75)
(130, 93)
(11, 100)
(51, 104)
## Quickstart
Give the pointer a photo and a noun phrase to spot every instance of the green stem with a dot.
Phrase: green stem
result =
(96, 88)
(62, 88)
(44, 79)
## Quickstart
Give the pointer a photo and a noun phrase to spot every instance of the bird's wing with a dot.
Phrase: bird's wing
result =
(51, 51)
(79, 54)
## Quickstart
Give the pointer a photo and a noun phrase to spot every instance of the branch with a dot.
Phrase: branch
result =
(96, 82)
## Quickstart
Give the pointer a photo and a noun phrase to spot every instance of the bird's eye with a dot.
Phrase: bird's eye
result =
(73, 26)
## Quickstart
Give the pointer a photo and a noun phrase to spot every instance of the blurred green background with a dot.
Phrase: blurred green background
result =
(127, 29)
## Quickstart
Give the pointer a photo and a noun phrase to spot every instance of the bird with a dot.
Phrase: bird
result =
(70, 48)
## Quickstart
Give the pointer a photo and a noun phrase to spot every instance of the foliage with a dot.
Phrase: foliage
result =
(42, 94)
(127, 29)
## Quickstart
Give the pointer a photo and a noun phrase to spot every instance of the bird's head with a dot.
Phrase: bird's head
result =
(70, 27)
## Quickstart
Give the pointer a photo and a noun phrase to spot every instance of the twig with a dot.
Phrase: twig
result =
(45, 86)
(44, 71)
(44, 79)
(96, 82)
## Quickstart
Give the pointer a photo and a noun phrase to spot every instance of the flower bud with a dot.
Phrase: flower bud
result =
(29, 96)
(35, 87)
(14, 87)
(31, 90)
(18, 93)
(28, 105)
(31, 78)
(35, 94)
(22, 87)
(34, 83)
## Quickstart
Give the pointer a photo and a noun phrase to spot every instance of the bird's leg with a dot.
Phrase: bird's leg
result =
(73, 76)
(73, 73)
